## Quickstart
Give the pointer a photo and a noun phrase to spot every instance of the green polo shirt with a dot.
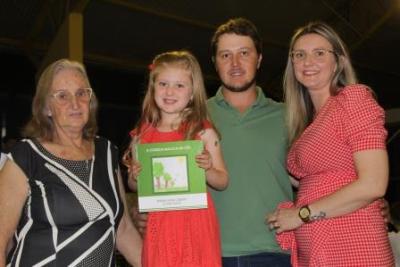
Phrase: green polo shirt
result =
(254, 145)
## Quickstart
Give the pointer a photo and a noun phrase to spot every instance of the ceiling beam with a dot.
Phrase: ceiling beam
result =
(128, 65)
(342, 18)
(44, 14)
(96, 59)
(135, 65)
(377, 25)
(79, 6)
(68, 41)
(37, 27)
(186, 21)
(135, 7)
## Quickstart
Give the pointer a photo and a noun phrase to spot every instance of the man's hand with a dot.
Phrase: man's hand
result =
(139, 219)
(385, 211)
(282, 220)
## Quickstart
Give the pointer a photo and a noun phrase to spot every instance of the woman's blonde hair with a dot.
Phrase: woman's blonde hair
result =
(300, 110)
(194, 115)
(41, 125)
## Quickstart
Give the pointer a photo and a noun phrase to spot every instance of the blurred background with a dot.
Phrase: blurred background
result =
(117, 39)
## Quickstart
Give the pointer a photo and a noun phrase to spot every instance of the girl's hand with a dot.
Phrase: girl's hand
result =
(134, 170)
(204, 160)
(283, 220)
(133, 166)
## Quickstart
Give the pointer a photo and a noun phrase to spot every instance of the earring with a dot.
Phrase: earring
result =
(49, 114)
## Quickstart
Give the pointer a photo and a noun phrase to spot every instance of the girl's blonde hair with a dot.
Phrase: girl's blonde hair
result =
(40, 125)
(300, 110)
(194, 115)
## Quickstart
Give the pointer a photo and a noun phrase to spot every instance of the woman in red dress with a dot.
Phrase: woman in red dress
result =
(174, 109)
(337, 155)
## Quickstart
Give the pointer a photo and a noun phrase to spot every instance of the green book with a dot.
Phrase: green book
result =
(170, 178)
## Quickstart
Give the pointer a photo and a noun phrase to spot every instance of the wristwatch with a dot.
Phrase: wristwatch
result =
(305, 213)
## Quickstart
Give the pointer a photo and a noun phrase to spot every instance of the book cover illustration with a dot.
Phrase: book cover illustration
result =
(170, 174)
(170, 178)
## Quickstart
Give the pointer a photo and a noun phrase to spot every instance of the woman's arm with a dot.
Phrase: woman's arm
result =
(211, 160)
(134, 168)
(373, 175)
(129, 242)
(370, 185)
(14, 190)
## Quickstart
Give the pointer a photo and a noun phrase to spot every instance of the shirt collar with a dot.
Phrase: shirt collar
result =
(260, 100)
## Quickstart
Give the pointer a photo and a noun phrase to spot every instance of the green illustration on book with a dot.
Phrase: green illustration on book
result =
(170, 178)
(170, 174)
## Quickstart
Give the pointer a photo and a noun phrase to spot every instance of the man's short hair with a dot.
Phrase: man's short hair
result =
(239, 26)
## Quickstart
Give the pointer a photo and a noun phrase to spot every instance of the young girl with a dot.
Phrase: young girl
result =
(174, 109)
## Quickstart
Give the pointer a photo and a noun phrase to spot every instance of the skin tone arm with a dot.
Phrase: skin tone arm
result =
(14, 191)
(211, 160)
(372, 171)
(134, 168)
(129, 242)
(385, 209)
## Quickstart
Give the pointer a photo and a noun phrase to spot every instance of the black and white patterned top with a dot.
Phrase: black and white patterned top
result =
(73, 209)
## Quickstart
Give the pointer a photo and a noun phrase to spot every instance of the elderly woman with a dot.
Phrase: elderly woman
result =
(60, 192)
(338, 154)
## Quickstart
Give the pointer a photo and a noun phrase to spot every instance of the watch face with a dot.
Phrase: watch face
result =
(304, 212)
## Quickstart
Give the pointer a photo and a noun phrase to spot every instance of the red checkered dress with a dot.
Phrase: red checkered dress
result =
(322, 159)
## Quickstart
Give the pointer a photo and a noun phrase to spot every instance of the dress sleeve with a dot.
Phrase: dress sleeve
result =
(138, 134)
(21, 154)
(363, 119)
(207, 124)
(133, 132)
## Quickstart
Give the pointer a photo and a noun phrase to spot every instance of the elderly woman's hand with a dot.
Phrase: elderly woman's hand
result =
(284, 220)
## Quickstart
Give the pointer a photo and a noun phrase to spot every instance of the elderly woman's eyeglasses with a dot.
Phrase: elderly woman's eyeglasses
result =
(317, 55)
(64, 97)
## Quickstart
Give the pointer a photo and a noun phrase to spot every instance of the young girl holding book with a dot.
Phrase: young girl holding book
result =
(174, 109)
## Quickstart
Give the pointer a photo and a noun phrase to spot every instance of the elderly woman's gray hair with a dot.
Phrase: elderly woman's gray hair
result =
(41, 125)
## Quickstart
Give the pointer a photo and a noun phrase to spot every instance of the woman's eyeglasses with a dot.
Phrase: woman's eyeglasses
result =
(317, 55)
(64, 97)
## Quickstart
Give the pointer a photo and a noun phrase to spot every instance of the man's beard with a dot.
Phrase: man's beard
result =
(241, 88)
